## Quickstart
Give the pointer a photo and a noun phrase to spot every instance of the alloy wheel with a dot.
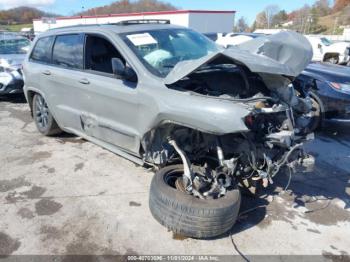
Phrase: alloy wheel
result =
(42, 112)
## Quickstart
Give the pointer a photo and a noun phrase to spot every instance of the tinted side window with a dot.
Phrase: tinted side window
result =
(99, 53)
(68, 51)
(42, 50)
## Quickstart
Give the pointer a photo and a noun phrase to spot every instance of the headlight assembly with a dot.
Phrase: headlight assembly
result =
(342, 87)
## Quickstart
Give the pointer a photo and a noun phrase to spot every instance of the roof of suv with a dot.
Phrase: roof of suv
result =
(116, 28)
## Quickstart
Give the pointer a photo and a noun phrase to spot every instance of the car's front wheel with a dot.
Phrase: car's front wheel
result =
(316, 115)
(186, 214)
(43, 118)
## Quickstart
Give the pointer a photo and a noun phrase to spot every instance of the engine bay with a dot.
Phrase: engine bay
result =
(213, 164)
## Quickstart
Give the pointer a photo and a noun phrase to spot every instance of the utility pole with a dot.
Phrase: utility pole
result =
(82, 14)
(309, 22)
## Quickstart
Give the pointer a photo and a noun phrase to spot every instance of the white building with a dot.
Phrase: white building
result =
(201, 20)
(269, 31)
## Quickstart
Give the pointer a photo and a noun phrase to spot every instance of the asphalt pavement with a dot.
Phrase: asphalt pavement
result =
(64, 195)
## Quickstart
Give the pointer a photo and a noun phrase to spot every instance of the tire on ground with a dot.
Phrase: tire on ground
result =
(190, 216)
(52, 127)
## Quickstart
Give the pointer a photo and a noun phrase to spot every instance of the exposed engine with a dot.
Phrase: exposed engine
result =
(213, 164)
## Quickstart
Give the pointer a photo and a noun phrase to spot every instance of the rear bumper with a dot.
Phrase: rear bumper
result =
(340, 118)
(345, 121)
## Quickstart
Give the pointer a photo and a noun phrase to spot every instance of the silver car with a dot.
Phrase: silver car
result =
(13, 49)
(212, 122)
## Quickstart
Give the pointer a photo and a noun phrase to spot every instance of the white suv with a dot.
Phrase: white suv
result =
(326, 50)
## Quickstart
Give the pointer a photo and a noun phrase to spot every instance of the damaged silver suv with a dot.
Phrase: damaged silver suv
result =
(211, 121)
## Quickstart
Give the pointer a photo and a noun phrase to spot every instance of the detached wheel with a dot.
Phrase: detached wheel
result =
(187, 215)
(44, 120)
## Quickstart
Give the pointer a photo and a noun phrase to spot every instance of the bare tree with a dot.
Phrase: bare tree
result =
(260, 20)
(270, 11)
(322, 7)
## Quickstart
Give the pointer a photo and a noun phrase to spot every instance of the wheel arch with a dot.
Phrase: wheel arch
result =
(152, 141)
(314, 95)
(331, 54)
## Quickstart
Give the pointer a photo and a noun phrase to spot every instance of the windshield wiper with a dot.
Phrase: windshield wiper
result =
(168, 66)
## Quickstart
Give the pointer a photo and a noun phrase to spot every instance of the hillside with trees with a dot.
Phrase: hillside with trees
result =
(25, 15)
(127, 6)
(21, 15)
(321, 17)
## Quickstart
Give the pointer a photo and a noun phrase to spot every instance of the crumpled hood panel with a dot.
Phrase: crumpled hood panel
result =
(286, 53)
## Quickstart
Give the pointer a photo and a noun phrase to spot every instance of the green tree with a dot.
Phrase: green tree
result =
(280, 18)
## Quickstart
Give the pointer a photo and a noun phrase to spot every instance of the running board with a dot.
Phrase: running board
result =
(114, 149)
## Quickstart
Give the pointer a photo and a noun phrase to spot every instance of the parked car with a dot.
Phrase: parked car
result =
(214, 36)
(210, 120)
(13, 50)
(326, 50)
(233, 39)
(329, 87)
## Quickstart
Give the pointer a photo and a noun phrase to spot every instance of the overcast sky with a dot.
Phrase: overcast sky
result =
(248, 8)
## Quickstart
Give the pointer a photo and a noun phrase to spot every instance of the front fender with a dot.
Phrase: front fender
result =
(207, 114)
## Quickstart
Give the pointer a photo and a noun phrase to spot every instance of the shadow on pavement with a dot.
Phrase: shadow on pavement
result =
(13, 98)
(313, 191)
(335, 130)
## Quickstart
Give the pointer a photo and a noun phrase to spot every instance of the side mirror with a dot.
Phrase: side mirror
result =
(121, 71)
(118, 68)
(319, 46)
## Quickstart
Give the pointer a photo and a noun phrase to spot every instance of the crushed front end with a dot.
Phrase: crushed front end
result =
(249, 93)
(274, 143)
(214, 164)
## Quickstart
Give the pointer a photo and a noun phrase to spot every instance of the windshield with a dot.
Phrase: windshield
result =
(326, 41)
(161, 50)
(14, 46)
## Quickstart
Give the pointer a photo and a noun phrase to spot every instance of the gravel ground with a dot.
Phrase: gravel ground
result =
(64, 196)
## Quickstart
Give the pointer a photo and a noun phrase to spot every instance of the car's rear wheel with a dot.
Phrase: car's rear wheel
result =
(43, 118)
(332, 59)
(186, 214)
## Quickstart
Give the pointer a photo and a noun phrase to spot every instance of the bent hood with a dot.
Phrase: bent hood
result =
(286, 53)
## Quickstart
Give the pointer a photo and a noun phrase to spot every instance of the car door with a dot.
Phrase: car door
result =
(62, 80)
(110, 105)
(38, 62)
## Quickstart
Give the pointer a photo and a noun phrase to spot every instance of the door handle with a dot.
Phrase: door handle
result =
(47, 72)
(84, 81)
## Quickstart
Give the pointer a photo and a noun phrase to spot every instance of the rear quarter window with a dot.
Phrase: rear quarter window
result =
(42, 50)
(68, 51)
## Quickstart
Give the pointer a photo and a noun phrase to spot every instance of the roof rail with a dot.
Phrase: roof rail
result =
(143, 21)
(73, 26)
